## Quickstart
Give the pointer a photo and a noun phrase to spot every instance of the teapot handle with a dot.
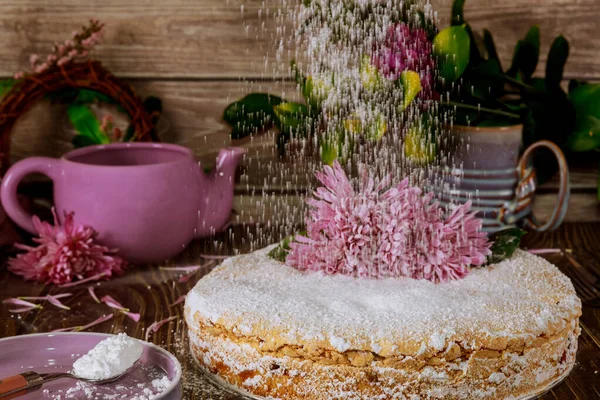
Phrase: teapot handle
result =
(527, 180)
(10, 183)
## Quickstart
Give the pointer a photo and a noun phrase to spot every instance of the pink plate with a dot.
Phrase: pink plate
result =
(56, 352)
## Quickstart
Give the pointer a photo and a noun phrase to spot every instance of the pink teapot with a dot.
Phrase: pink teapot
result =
(148, 200)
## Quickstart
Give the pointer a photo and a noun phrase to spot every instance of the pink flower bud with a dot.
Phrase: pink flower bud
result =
(34, 59)
(19, 75)
(41, 68)
(51, 58)
(74, 34)
(63, 60)
(107, 122)
(73, 53)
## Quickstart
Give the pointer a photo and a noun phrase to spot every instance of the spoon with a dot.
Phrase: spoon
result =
(18, 385)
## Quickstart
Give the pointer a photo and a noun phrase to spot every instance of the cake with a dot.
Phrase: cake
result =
(506, 331)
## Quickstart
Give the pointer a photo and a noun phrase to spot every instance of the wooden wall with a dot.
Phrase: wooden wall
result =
(198, 55)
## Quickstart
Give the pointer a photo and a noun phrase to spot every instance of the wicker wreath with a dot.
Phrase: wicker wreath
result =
(82, 75)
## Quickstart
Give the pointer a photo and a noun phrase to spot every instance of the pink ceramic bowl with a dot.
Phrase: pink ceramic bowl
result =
(56, 352)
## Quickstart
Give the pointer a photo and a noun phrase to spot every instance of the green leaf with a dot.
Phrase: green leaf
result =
(85, 123)
(490, 46)
(82, 141)
(486, 80)
(418, 146)
(531, 52)
(129, 133)
(505, 243)
(251, 113)
(514, 66)
(291, 119)
(315, 91)
(332, 147)
(280, 252)
(458, 17)
(411, 86)
(452, 49)
(557, 58)
(370, 77)
(6, 85)
(586, 99)
(575, 83)
(474, 53)
(290, 114)
(586, 136)
(526, 55)
(86, 96)
(427, 25)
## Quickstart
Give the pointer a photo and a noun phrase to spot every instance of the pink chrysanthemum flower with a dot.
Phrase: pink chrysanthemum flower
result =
(65, 253)
(407, 49)
(380, 231)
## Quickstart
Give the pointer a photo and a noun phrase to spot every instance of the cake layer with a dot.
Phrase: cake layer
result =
(507, 306)
(478, 375)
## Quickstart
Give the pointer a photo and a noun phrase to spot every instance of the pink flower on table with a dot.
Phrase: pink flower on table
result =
(65, 253)
(406, 49)
(378, 230)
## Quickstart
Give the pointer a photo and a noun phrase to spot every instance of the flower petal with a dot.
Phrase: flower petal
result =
(19, 302)
(112, 303)
(548, 251)
(192, 268)
(180, 300)
(133, 316)
(93, 294)
(100, 320)
(186, 277)
(214, 256)
(86, 280)
(23, 309)
(56, 296)
(55, 302)
(157, 325)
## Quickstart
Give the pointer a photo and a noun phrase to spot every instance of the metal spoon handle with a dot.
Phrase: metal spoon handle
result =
(18, 385)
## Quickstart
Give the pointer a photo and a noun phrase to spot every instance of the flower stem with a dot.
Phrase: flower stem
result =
(483, 109)
(520, 84)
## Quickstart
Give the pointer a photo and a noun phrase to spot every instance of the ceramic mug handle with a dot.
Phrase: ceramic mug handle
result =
(526, 186)
(10, 182)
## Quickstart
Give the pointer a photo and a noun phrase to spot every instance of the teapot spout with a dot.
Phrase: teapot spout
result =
(218, 192)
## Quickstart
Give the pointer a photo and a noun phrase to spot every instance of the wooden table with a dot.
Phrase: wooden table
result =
(150, 291)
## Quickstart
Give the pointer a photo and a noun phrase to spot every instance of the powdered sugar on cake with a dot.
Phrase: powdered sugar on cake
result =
(396, 315)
